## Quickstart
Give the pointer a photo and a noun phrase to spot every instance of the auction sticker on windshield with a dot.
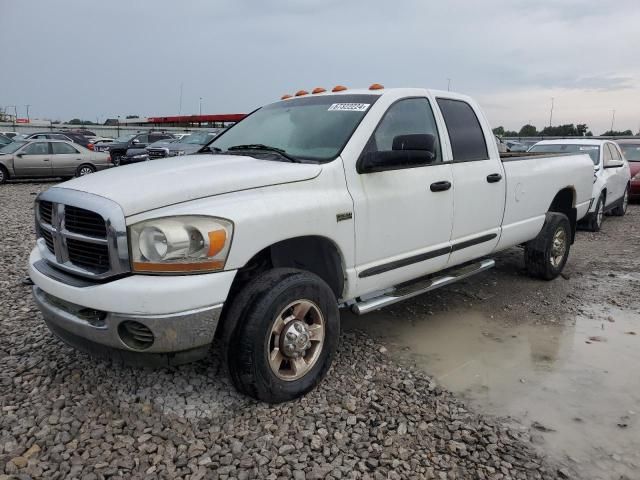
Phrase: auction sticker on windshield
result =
(349, 107)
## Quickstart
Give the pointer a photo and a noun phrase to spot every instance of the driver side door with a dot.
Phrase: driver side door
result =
(403, 214)
(34, 160)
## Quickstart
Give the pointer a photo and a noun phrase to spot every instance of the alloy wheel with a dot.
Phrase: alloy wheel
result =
(558, 247)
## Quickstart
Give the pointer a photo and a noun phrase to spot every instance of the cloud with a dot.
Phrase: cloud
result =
(96, 58)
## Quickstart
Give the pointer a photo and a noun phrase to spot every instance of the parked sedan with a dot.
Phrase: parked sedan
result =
(66, 135)
(631, 150)
(4, 140)
(49, 158)
(611, 177)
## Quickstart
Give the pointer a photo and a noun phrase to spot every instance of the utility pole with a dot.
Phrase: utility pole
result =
(200, 106)
(27, 112)
(448, 84)
(551, 113)
(613, 119)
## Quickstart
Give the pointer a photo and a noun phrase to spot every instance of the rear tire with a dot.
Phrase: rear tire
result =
(4, 175)
(621, 209)
(281, 333)
(85, 169)
(547, 254)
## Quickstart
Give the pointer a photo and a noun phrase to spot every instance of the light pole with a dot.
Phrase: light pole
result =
(200, 106)
(551, 113)
(28, 120)
(613, 119)
(448, 84)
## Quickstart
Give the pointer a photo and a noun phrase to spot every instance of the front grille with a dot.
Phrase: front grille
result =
(85, 222)
(46, 211)
(48, 238)
(157, 153)
(82, 234)
(91, 256)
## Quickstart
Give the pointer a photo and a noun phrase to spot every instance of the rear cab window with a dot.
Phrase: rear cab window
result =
(468, 142)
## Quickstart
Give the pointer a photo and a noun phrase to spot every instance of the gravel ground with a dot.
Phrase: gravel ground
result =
(65, 415)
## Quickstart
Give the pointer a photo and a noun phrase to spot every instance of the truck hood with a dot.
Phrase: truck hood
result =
(150, 185)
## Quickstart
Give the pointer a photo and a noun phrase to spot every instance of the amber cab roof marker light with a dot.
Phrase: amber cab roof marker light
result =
(285, 96)
(318, 90)
(339, 88)
(300, 93)
(376, 86)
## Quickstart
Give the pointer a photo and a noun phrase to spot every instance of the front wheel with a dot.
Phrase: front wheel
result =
(4, 176)
(285, 328)
(547, 254)
(621, 209)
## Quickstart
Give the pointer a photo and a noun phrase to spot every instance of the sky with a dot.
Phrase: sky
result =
(96, 59)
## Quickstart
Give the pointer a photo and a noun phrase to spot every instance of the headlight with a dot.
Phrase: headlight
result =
(186, 244)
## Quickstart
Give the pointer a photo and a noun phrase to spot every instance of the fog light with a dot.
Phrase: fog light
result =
(135, 335)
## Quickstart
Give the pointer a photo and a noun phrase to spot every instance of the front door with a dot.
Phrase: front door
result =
(478, 184)
(402, 215)
(34, 160)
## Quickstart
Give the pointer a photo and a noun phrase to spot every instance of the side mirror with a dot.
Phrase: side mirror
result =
(135, 141)
(613, 164)
(408, 151)
(19, 155)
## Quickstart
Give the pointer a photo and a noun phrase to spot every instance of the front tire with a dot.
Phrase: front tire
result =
(4, 175)
(546, 255)
(595, 222)
(283, 330)
(621, 209)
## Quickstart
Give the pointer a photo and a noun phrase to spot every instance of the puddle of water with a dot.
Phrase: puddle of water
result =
(586, 390)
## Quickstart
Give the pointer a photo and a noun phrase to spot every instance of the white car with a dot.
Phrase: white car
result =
(611, 178)
(351, 198)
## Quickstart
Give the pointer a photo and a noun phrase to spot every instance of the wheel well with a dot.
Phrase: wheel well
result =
(314, 254)
(564, 202)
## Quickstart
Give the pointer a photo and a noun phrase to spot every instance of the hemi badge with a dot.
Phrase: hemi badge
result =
(344, 216)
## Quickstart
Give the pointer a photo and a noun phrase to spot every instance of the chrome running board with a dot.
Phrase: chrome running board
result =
(414, 289)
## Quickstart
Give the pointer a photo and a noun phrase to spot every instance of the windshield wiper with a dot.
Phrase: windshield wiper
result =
(265, 148)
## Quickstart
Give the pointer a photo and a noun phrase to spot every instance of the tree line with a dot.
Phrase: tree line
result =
(568, 130)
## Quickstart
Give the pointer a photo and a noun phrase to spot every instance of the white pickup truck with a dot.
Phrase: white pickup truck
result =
(348, 198)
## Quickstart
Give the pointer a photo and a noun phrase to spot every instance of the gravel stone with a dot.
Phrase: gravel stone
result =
(68, 415)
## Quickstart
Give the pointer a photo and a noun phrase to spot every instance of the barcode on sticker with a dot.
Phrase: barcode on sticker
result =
(349, 107)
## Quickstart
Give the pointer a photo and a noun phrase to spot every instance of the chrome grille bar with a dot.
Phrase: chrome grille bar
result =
(82, 233)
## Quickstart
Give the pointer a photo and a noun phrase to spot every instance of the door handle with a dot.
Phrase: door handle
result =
(494, 177)
(45, 159)
(440, 186)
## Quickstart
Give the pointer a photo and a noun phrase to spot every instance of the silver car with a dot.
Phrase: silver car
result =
(49, 158)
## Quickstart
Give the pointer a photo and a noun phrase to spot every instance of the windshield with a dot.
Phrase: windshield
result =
(631, 151)
(311, 128)
(592, 150)
(124, 138)
(12, 147)
(200, 138)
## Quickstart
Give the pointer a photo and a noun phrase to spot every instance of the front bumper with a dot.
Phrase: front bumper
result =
(180, 313)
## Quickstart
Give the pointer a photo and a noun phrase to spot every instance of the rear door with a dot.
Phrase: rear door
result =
(34, 160)
(403, 223)
(66, 159)
(478, 183)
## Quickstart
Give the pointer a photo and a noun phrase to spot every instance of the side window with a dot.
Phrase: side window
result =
(467, 139)
(412, 116)
(36, 148)
(63, 148)
(58, 136)
(615, 153)
(608, 154)
(143, 138)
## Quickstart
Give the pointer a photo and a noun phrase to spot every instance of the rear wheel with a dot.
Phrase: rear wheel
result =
(4, 175)
(283, 330)
(85, 170)
(621, 209)
(546, 255)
